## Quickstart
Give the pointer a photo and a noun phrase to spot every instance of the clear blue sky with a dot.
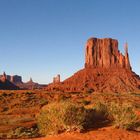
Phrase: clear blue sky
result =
(42, 38)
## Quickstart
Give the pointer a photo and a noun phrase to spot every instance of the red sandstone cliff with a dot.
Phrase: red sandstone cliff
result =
(104, 53)
(106, 70)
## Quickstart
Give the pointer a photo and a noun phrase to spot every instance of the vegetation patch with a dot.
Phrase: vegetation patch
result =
(21, 132)
(58, 117)
(65, 112)
(122, 115)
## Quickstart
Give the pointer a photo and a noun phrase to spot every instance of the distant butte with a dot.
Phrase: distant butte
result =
(5, 84)
(8, 82)
(106, 70)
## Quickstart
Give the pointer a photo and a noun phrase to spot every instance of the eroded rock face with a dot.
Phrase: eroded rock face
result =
(6, 84)
(99, 80)
(106, 70)
(56, 79)
(104, 53)
(16, 79)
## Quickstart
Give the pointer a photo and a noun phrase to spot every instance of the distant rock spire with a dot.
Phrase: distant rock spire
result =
(4, 77)
(126, 48)
(56, 79)
(31, 80)
(127, 62)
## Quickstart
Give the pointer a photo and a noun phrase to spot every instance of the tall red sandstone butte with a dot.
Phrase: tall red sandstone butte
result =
(104, 53)
(106, 70)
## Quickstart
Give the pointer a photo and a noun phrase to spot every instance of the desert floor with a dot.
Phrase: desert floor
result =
(19, 108)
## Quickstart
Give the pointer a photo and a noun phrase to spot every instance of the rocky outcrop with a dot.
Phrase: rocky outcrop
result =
(30, 85)
(5, 84)
(104, 53)
(99, 80)
(106, 70)
(56, 79)
(15, 79)
(15, 82)
(3, 77)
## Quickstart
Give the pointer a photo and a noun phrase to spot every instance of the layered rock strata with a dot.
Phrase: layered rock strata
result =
(106, 70)
(104, 53)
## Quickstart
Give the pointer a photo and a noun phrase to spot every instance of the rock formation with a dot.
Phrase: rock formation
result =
(30, 85)
(3, 77)
(106, 70)
(15, 82)
(56, 79)
(104, 53)
(6, 84)
(15, 79)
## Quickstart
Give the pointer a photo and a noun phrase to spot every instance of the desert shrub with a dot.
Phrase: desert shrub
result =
(43, 102)
(101, 111)
(29, 93)
(63, 116)
(85, 102)
(22, 132)
(62, 97)
(124, 116)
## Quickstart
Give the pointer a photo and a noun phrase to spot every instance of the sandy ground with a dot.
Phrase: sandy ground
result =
(107, 133)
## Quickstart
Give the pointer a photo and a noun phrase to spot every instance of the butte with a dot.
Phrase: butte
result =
(106, 70)
(5, 84)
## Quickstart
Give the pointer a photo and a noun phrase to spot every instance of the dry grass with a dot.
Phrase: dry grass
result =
(25, 105)
(61, 116)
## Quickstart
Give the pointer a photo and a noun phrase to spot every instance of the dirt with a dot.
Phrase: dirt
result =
(19, 108)
(106, 133)
(99, 80)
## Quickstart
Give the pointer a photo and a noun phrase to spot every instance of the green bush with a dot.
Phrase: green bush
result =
(58, 117)
(121, 115)
(63, 116)
(124, 116)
